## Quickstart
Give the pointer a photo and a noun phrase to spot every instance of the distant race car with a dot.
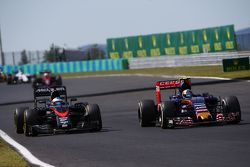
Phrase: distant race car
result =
(185, 108)
(46, 78)
(18, 77)
(2, 77)
(52, 113)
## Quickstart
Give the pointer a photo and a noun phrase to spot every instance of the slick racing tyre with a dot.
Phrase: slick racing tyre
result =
(58, 80)
(18, 118)
(147, 113)
(94, 114)
(168, 110)
(230, 105)
(9, 79)
(36, 83)
(30, 117)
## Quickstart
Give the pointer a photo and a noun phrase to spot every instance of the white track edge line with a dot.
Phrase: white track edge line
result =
(151, 75)
(23, 151)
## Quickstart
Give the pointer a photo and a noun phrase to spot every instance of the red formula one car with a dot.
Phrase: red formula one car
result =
(46, 78)
(186, 108)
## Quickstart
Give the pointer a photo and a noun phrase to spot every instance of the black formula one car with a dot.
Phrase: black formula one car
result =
(46, 78)
(185, 108)
(56, 115)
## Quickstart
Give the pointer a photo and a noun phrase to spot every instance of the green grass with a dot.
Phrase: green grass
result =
(9, 157)
(205, 71)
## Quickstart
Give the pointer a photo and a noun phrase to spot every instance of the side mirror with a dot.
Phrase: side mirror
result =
(73, 99)
(41, 102)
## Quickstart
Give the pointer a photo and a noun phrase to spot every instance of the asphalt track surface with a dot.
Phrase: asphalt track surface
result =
(122, 142)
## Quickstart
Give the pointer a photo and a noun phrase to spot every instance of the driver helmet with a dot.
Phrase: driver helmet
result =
(46, 74)
(184, 84)
(57, 101)
(187, 93)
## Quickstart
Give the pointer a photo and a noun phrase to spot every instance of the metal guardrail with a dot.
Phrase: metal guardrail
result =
(184, 60)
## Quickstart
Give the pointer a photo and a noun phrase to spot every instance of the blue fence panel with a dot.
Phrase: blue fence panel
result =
(69, 67)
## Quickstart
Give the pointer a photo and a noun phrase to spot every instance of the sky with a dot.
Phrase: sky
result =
(37, 24)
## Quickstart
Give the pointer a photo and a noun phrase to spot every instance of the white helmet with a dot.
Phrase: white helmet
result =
(57, 100)
(187, 93)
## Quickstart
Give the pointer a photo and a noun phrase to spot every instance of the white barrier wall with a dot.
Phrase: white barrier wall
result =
(184, 60)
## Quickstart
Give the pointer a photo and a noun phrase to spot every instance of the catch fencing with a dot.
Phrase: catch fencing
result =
(15, 58)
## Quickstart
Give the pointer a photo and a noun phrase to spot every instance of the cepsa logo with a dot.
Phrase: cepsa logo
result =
(166, 84)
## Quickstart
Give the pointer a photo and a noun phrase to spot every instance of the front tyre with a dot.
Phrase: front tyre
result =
(30, 117)
(19, 119)
(95, 118)
(231, 107)
(168, 111)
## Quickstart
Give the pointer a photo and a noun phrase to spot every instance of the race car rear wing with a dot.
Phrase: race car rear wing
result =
(170, 84)
(42, 93)
(46, 91)
(167, 84)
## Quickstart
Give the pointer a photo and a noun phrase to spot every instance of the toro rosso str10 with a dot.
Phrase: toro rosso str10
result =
(186, 108)
(56, 115)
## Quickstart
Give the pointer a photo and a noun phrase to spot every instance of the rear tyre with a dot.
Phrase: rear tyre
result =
(9, 79)
(95, 118)
(147, 113)
(230, 105)
(19, 118)
(59, 80)
(168, 111)
(30, 119)
(36, 83)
